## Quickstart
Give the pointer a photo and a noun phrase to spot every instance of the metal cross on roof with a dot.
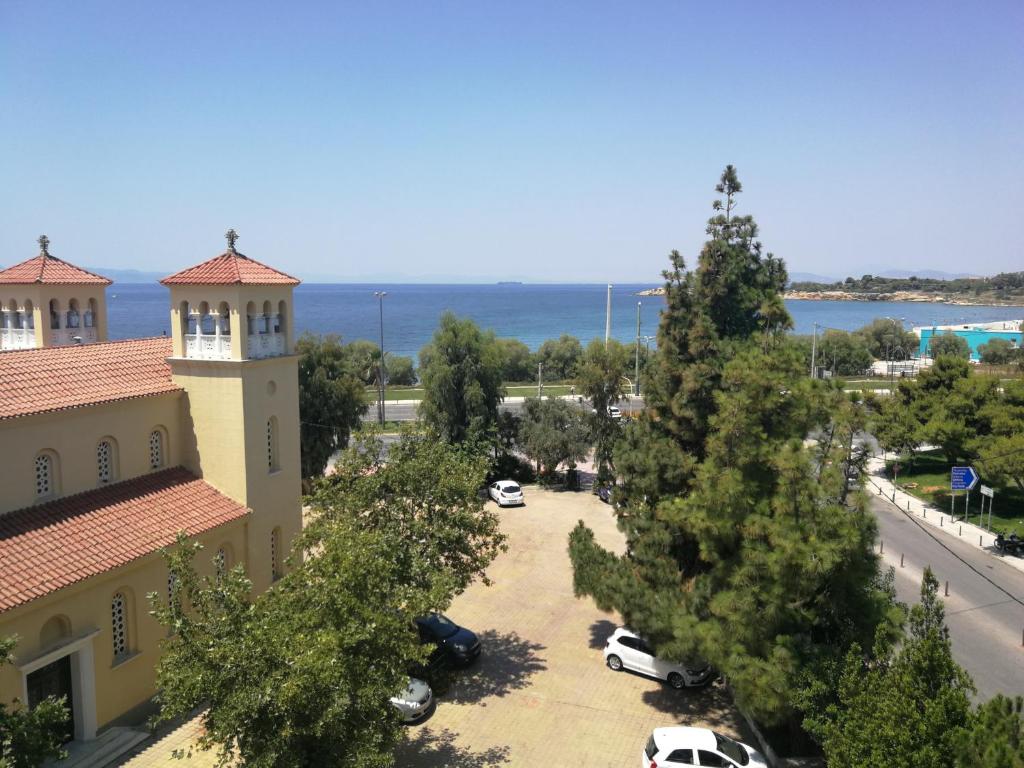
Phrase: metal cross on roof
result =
(232, 236)
(44, 244)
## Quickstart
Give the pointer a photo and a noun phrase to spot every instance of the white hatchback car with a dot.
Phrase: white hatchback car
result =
(413, 702)
(506, 492)
(626, 650)
(671, 747)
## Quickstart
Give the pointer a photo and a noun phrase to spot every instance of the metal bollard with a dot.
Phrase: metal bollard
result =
(961, 532)
(924, 513)
(979, 541)
(941, 520)
(901, 559)
(947, 588)
(908, 505)
(881, 547)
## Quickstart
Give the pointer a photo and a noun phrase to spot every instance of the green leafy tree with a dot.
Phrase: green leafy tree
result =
(331, 400)
(29, 736)
(363, 360)
(400, 370)
(301, 674)
(995, 736)
(949, 344)
(517, 361)
(998, 352)
(896, 428)
(740, 550)
(461, 373)
(560, 357)
(906, 706)
(887, 340)
(554, 432)
(845, 354)
(601, 377)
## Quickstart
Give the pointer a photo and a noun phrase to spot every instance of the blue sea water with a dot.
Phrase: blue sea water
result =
(531, 313)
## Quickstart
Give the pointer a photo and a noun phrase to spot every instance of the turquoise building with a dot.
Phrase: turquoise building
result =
(975, 335)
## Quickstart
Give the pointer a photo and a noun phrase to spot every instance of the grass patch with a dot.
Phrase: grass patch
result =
(928, 479)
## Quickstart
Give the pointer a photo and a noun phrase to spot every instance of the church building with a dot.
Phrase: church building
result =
(109, 449)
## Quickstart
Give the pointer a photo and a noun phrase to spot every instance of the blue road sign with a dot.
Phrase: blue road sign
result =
(962, 478)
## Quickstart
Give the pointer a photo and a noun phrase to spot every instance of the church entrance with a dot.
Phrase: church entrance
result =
(54, 680)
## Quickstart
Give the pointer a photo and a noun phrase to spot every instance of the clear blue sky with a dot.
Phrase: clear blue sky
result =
(571, 141)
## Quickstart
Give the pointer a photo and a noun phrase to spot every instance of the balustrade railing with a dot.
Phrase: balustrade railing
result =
(17, 338)
(265, 345)
(205, 347)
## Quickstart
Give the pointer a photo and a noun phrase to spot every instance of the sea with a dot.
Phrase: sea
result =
(529, 312)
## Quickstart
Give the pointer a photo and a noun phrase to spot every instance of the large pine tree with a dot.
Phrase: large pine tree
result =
(740, 550)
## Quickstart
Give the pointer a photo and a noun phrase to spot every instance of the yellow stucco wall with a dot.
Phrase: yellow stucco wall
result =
(73, 435)
(122, 684)
(38, 297)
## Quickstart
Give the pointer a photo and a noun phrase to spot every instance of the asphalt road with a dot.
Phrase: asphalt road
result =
(406, 411)
(985, 607)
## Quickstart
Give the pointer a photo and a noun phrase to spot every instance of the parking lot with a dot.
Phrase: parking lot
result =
(540, 694)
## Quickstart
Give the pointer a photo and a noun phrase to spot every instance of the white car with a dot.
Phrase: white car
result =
(415, 701)
(614, 412)
(506, 492)
(670, 747)
(626, 650)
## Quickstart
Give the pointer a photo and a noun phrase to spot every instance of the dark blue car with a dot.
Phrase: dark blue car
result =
(459, 646)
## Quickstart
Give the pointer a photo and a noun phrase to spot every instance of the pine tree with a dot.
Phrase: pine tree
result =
(740, 549)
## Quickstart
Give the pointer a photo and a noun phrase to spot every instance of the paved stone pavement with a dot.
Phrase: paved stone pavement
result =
(540, 694)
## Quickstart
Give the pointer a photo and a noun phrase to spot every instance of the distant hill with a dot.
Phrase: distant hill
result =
(933, 274)
(128, 275)
(1004, 288)
(811, 277)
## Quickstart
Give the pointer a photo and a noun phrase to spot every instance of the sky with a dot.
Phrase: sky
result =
(540, 141)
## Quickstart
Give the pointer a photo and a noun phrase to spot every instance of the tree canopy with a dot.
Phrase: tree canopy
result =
(331, 399)
(560, 357)
(600, 376)
(517, 361)
(461, 374)
(740, 550)
(301, 674)
(948, 344)
(553, 432)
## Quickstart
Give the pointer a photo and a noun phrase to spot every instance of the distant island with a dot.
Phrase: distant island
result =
(510, 282)
(1006, 288)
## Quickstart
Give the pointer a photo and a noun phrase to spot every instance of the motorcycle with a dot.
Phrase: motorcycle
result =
(1010, 545)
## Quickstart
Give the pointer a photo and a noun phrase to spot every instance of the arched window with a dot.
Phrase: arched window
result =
(205, 319)
(119, 624)
(54, 314)
(272, 443)
(12, 316)
(54, 630)
(275, 554)
(72, 316)
(106, 461)
(30, 316)
(189, 319)
(156, 449)
(46, 474)
(250, 318)
(268, 310)
(89, 317)
(279, 318)
(224, 318)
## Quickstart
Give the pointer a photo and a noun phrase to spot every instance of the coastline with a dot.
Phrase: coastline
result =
(907, 296)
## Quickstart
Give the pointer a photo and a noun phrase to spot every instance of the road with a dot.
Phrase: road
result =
(985, 607)
(405, 410)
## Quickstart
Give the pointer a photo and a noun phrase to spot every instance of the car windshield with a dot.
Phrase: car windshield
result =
(732, 749)
(511, 488)
(441, 626)
(652, 748)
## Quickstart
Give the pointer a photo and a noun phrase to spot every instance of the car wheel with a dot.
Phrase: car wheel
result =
(676, 681)
(614, 662)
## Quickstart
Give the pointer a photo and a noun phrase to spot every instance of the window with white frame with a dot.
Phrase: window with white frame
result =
(44, 475)
(119, 624)
(156, 449)
(105, 461)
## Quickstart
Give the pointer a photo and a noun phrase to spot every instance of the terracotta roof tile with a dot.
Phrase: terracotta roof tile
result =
(45, 268)
(58, 378)
(230, 268)
(53, 545)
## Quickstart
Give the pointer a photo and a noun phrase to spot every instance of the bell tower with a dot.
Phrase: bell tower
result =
(233, 354)
(47, 302)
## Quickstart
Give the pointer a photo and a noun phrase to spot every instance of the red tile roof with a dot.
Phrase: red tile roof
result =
(49, 269)
(230, 268)
(51, 546)
(58, 378)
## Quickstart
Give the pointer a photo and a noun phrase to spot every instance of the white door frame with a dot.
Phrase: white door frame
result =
(83, 679)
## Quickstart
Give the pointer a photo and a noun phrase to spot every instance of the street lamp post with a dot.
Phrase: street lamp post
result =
(647, 358)
(636, 386)
(380, 363)
(608, 317)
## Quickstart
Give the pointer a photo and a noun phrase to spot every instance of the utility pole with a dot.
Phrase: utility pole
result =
(540, 380)
(636, 385)
(608, 317)
(380, 363)
(814, 349)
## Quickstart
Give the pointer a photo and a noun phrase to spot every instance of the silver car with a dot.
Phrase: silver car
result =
(415, 701)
